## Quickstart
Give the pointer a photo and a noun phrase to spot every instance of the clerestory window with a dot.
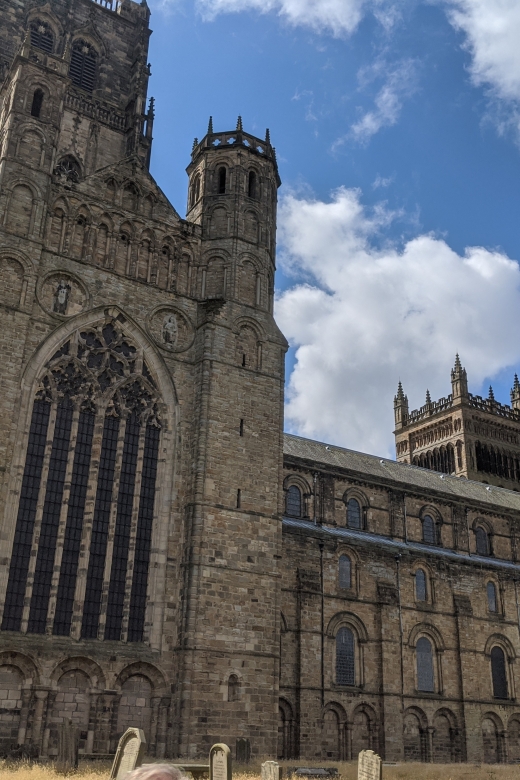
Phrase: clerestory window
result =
(97, 406)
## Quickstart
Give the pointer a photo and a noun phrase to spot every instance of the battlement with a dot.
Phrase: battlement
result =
(488, 405)
(234, 138)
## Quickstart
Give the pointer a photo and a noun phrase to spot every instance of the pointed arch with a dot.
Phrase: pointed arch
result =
(152, 525)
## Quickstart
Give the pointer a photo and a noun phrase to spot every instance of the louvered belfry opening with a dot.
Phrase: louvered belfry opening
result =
(96, 394)
(42, 36)
(83, 65)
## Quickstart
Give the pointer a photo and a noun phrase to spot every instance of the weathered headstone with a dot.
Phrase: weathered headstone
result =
(370, 766)
(243, 751)
(271, 770)
(220, 762)
(67, 757)
(129, 753)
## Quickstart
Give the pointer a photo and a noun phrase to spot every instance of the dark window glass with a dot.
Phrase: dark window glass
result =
(74, 526)
(428, 530)
(50, 519)
(251, 185)
(222, 181)
(345, 666)
(498, 673)
(144, 536)
(42, 36)
(98, 542)
(353, 513)
(491, 596)
(37, 102)
(83, 63)
(482, 541)
(15, 594)
(345, 572)
(125, 501)
(233, 688)
(424, 653)
(420, 585)
(293, 501)
(195, 190)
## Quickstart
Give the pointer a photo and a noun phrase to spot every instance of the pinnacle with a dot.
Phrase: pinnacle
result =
(195, 142)
(400, 392)
(210, 126)
(267, 136)
(239, 123)
(491, 395)
(428, 397)
(516, 385)
(458, 365)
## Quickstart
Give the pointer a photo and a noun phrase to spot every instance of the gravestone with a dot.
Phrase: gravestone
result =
(370, 766)
(243, 751)
(67, 757)
(220, 762)
(129, 753)
(271, 770)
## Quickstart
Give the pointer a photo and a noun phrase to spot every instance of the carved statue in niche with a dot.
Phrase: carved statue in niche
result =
(61, 297)
(170, 329)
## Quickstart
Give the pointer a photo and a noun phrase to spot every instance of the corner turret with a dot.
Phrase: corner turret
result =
(459, 380)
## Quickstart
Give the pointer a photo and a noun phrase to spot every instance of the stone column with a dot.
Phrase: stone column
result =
(160, 748)
(348, 742)
(47, 722)
(429, 743)
(41, 698)
(92, 722)
(155, 704)
(113, 723)
(24, 714)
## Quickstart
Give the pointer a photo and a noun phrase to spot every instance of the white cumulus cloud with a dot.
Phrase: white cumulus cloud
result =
(492, 34)
(367, 316)
(338, 17)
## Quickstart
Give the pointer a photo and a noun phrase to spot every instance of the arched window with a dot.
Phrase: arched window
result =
(100, 393)
(233, 688)
(345, 658)
(293, 501)
(195, 190)
(68, 168)
(83, 65)
(498, 673)
(424, 656)
(345, 572)
(251, 184)
(421, 593)
(37, 102)
(428, 530)
(353, 513)
(42, 36)
(482, 541)
(222, 180)
(491, 596)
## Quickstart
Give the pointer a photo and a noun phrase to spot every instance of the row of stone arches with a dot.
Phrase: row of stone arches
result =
(500, 743)
(495, 460)
(76, 689)
(439, 741)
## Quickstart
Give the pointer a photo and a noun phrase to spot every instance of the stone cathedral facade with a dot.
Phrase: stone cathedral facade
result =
(168, 558)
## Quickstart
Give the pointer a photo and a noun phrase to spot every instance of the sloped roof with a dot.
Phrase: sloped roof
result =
(383, 471)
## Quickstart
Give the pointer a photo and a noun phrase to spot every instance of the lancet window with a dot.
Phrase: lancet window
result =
(89, 482)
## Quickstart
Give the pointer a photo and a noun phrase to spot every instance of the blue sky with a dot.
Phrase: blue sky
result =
(396, 124)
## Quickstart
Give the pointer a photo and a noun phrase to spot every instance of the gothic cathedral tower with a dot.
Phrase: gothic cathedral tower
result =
(141, 405)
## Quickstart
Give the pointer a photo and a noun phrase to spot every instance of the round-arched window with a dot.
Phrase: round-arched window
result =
(421, 593)
(491, 596)
(233, 688)
(498, 673)
(424, 657)
(222, 180)
(429, 531)
(345, 657)
(345, 572)
(293, 501)
(353, 513)
(481, 541)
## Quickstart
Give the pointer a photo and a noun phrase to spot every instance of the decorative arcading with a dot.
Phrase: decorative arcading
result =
(96, 109)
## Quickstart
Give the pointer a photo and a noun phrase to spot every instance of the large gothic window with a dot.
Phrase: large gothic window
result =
(89, 483)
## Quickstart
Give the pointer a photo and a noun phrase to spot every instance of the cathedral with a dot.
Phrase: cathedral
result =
(169, 559)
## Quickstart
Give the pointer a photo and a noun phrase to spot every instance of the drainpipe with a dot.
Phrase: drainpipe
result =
(322, 629)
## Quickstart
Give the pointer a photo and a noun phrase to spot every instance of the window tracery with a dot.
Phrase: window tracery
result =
(96, 392)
